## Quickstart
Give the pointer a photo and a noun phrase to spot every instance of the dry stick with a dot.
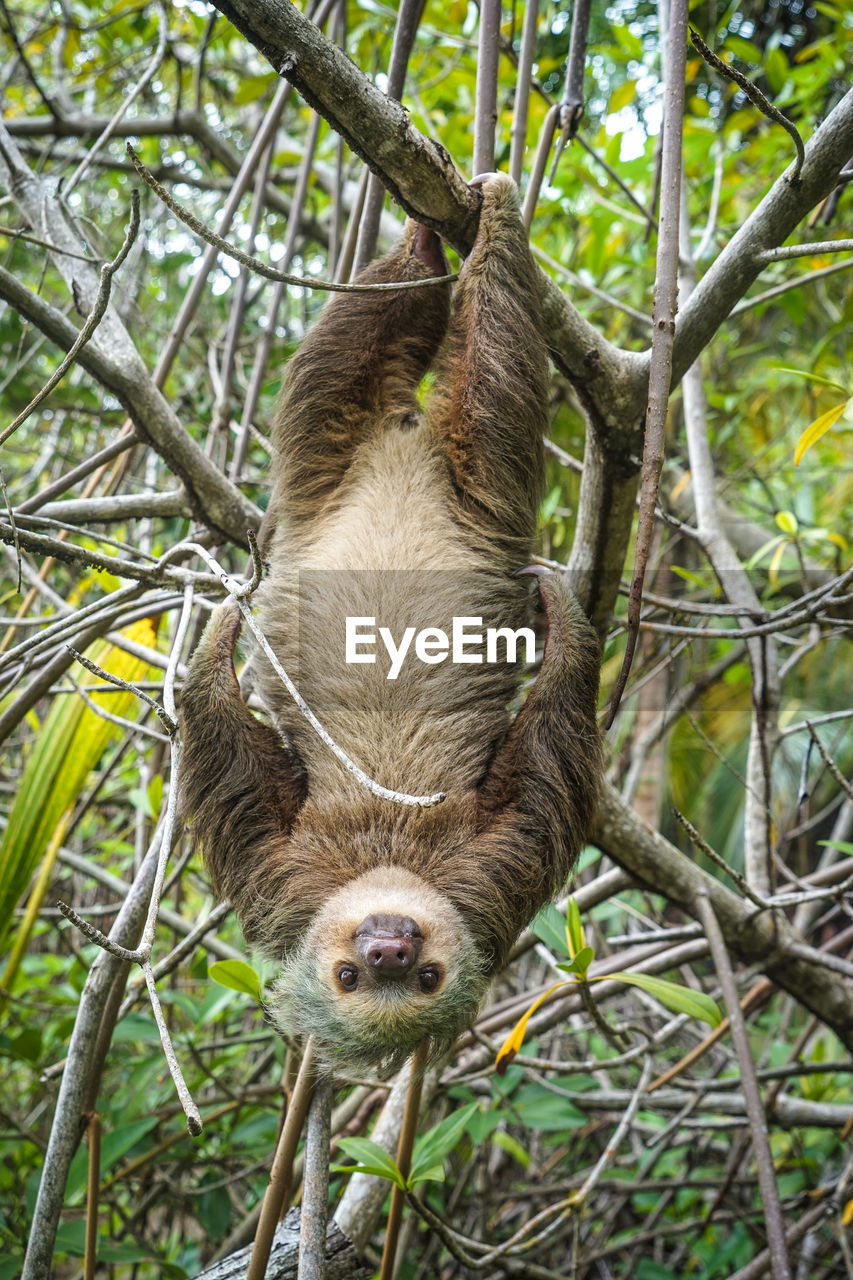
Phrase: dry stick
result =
(92, 1027)
(404, 1161)
(267, 334)
(238, 189)
(339, 36)
(80, 472)
(486, 95)
(281, 1174)
(534, 184)
(408, 19)
(518, 132)
(92, 1187)
(343, 266)
(805, 250)
(571, 108)
(315, 1186)
(221, 409)
(755, 1111)
(127, 100)
(254, 264)
(760, 1265)
(567, 113)
(830, 763)
(756, 97)
(663, 332)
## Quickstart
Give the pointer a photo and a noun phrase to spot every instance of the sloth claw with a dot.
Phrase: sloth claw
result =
(539, 571)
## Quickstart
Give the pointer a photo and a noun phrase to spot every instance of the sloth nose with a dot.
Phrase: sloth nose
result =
(389, 944)
(390, 955)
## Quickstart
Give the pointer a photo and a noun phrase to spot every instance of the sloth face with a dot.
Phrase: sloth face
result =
(386, 964)
(385, 954)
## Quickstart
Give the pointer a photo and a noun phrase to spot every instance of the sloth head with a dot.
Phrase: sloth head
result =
(386, 964)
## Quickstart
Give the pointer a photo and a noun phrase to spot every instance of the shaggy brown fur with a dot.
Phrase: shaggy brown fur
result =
(425, 516)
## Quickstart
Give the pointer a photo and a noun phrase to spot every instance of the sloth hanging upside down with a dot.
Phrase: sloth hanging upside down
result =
(392, 528)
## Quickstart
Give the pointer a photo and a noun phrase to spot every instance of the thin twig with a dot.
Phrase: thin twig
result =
(168, 723)
(281, 1174)
(194, 1125)
(315, 1185)
(755, 1112)
(740, 881)
(405, 1144)
(126, 102)
(572, 105)
(90, 1257)
(254, 264)
(756, 97)
(518, 131)
(663, 332)
(830, 763)
(805, 250)
(409, 16)
(486, 92)
(16, 233)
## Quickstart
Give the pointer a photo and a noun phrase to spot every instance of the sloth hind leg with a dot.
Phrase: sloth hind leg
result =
(489, 409)
(241, 785)
(358, 370)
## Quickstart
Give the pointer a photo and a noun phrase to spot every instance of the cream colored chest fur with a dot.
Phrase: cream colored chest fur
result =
(389, 550)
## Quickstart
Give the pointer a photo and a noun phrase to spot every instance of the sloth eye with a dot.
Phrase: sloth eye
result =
(348, 977)
(429, 978)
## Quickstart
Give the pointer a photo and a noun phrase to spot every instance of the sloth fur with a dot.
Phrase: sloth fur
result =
(389, 919)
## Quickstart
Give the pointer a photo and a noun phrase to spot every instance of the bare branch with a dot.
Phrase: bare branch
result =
(756, 97)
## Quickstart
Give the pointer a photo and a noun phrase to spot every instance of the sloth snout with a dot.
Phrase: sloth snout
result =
(388, 944)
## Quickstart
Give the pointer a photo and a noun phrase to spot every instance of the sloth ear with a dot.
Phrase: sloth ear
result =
(537, 802)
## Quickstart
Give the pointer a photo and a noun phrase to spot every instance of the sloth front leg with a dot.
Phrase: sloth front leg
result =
(240, 784)
(537, 803)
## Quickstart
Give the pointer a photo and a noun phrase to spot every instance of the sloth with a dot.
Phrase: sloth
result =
(390, 527)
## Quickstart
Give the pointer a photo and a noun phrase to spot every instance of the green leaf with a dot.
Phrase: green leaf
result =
(511, 1147)
(550, 926)
(539, 1109)
(810, 377)
(435, 1173)
(371, 1159)
(432, 1149)
(581, 962)
(676, 997)
(574, 928)
(237, 975)
(787, 522)
(843, 846)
